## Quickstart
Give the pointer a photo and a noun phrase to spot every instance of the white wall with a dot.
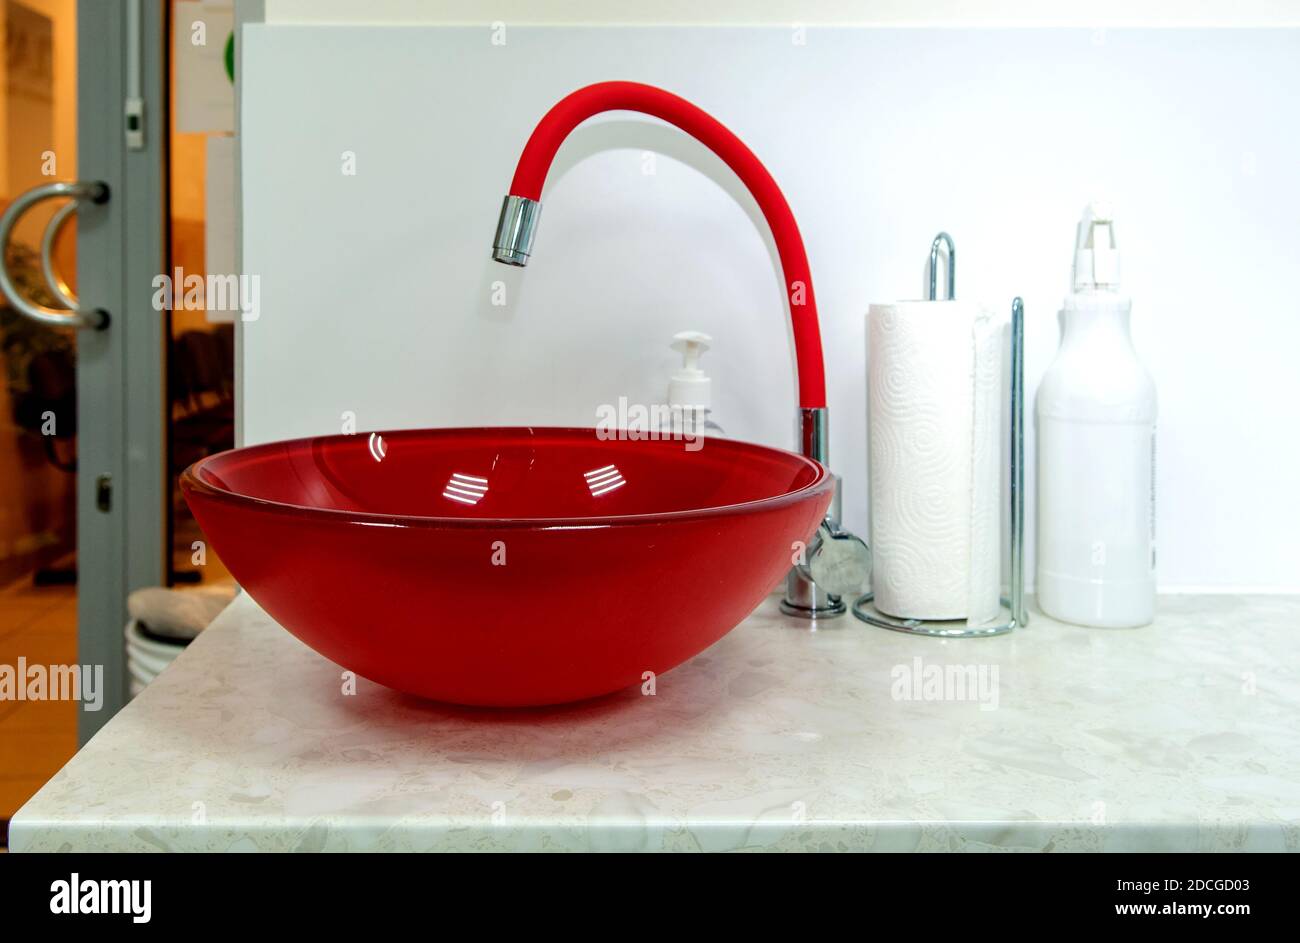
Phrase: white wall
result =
(376, 288)
(1087, 13)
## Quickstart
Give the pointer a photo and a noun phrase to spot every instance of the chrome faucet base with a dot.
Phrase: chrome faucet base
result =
(804, 600)
(840, 558)
(812, 615)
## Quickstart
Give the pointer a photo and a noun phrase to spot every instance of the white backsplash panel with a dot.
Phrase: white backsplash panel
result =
(374, 160)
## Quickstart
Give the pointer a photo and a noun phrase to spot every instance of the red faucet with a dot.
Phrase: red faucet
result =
(576, 108)
(835, 559)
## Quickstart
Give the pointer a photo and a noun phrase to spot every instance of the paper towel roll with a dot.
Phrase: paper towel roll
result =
(934, 417)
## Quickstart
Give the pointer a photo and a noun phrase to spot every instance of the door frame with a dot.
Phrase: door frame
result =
(121, 376)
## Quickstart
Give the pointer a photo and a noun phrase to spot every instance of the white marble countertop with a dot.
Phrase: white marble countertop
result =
(1182, 735)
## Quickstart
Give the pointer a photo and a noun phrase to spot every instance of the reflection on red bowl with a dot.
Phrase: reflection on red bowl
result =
(507, 567)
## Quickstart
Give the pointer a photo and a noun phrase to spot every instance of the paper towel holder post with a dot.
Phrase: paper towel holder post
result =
(1014, 603)
(943, 239)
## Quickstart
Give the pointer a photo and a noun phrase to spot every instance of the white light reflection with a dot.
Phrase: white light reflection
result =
(604, 480)
(467, 489)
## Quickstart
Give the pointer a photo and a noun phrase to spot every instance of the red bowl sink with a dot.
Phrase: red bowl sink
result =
(507, 567)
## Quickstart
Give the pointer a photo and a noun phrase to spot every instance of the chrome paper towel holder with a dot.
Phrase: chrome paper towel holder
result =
(1013, 604)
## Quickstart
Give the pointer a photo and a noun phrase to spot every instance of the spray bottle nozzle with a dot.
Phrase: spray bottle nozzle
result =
(1096, 256)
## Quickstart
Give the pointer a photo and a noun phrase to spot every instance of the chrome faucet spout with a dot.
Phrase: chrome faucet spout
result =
(515, 230)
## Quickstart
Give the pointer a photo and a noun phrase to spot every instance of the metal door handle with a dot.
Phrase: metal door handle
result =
(74, 315)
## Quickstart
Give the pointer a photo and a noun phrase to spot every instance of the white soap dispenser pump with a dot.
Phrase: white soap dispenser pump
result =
(1096, 414)
(690, 390)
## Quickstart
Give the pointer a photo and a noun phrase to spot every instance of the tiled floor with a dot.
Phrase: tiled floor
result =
(36, 737)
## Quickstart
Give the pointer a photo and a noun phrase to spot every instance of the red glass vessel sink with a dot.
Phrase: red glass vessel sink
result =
(507, 567)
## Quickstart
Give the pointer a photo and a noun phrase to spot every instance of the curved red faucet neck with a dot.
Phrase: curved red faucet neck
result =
(572, 110)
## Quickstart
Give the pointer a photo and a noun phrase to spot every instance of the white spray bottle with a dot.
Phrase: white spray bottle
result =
(1096, 415)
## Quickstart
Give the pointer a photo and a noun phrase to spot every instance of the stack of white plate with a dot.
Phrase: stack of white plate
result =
(147, 655)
